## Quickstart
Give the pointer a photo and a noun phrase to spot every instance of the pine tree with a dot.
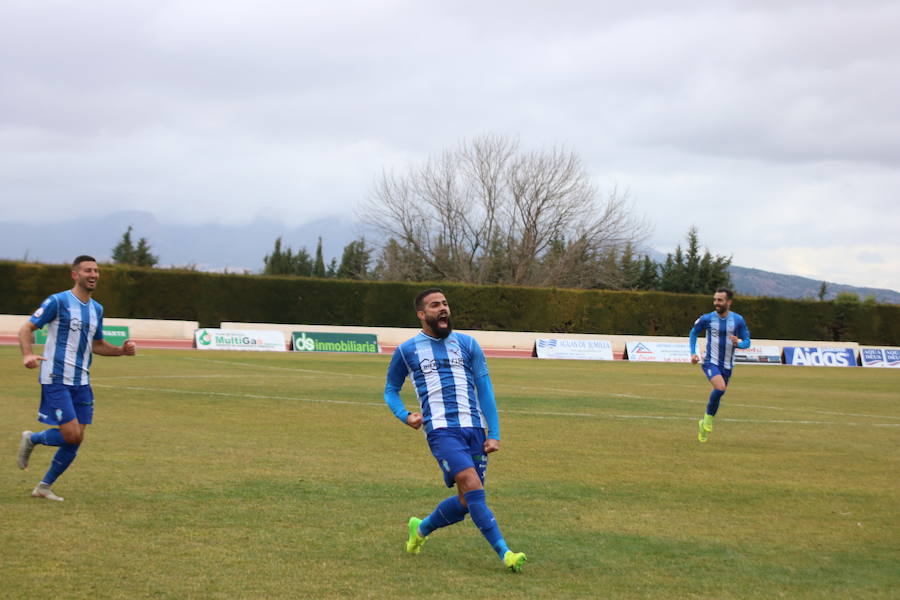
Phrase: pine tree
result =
(630, 266)
(691, 273)
(319, 265)
(142, 255)
(285, 262)
(123, 253)
(355, 260)
(649, 276)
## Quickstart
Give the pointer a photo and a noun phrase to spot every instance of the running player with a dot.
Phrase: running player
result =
(725, 331)
(450, 374)
(74, 334)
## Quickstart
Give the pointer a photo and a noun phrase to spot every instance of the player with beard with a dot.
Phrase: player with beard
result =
(450, 375)
(725, 331)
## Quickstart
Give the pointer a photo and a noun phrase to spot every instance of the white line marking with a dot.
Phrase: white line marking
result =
(700, 399)
(274, 368)
(509, 411)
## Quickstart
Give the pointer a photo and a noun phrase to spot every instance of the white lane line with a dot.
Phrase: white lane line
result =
(289, 369)
(509, 411)
(699, 399)
(561, 390)
(702, 399)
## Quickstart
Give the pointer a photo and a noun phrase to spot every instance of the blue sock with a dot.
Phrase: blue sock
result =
(485, 521)
(712, 406)
(448, 512)
(50, 437)
(61, 461)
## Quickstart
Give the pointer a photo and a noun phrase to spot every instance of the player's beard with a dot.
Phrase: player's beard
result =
(440, 331)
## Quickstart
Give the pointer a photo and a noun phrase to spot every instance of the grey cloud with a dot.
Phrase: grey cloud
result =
(783, 112)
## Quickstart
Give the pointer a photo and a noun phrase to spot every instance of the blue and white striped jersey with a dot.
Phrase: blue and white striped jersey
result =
(73, 326)
(448, 375)
(719, 349)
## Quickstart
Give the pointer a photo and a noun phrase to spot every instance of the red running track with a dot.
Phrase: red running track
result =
(11, 340)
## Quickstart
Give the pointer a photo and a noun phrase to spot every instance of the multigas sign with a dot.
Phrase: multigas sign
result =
(819, 357)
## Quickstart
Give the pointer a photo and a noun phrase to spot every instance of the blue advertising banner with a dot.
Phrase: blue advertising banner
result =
(880, 357)
(819, 357)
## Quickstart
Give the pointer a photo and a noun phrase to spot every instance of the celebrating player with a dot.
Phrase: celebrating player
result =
(67, 401)
(450, 374)
(725, 331)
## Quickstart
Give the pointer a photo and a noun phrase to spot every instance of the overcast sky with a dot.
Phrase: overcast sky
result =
(772, 126)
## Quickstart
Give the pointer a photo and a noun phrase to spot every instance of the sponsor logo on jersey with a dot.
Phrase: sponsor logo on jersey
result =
(430, 365)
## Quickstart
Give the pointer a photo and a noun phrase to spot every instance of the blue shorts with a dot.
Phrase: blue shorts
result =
(62, 403)
(711, 370)
(457, 449)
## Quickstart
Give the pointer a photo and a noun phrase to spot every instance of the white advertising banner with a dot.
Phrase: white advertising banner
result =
(659, 351)
(759, 354)
(574, 349)
(239, 339)
(880, 357)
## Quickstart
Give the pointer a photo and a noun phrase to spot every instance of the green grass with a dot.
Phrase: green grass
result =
(242, 475)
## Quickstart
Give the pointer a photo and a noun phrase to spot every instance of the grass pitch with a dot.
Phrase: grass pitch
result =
(257, 475)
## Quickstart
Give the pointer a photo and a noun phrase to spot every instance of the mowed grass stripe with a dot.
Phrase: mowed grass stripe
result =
(285, 476)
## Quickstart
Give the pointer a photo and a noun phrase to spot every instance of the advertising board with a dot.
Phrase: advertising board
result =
(239, 339)
(658, 351)
(880, 357)
(573, 349)
(309, 341)
(114, 334)
(758, 354)
(819, 357)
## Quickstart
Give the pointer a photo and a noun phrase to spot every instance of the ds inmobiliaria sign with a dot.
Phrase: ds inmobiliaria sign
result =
(309, 341)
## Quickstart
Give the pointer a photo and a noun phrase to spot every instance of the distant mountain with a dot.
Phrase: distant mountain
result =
(239, 248)
(207, 247)
(755, 282)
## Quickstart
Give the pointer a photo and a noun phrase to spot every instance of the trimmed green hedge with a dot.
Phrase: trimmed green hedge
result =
(210, 298)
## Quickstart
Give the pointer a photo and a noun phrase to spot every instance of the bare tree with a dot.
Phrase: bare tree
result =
(487, 213)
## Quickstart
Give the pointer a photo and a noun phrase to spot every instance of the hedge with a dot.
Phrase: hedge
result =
(210, 298)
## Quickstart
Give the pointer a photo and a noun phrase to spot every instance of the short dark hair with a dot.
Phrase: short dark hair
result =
(82, 258)
(728, 293)
(419, 303)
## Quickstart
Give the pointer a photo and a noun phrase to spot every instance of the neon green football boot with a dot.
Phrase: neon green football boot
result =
(705, 427)
(514, 561)
(414, 542)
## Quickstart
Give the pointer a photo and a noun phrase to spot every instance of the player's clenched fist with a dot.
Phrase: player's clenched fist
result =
(414, 420)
